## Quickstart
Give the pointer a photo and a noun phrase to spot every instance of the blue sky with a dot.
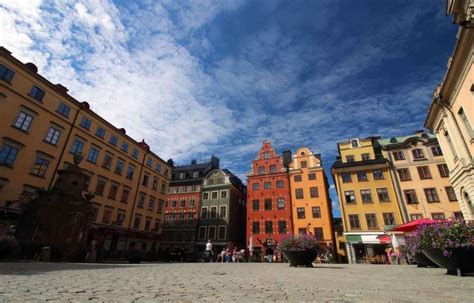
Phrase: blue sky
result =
(196, 78)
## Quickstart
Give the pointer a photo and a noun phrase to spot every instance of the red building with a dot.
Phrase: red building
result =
(268, 199)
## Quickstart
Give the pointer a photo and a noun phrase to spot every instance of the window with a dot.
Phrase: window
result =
(300, 213)
(182, 176)
(318, 233)
(431, 195)
(93, 155)
(125, 194)
(204, 213)
(382, 194)
(6, 74)
(53, 135)
(424, 172)
(214, 195)
(160, 206)
(99, 189)
(222, 232)
(154, 185)
(378, 174)
(192, 202)
(354, 221)
(466, 122)
(268, 204)
(113, 140)
(37, 93)
(388, 219)
(113, 191)
(362, 176)
(120, 218)
(100, 132)
(371, 221)
(196, 174)
(146, 178)
(151, 203)
(85, 123)
(312, 176)
(266, 155)
(282, 227)
(77, 146)
(451, 194)
(414, 217)
(268, 227)
(149, 161)
(135, 153)
(410, 196)
(450, 143)
(303, 164)
(458, 215)
(136, 222)
(193, 187)
(107, 215)
(272, 168)
(436, 151)
(255, 227)
(366, 196)
(41, 166)
(202, 233)
(130, 172)
(350, 197)
(418, 153)
(313, 192)
(147, 223)
(261, 170)
(205, 196)
(280, 203)
(316, 211)
(279, 184)
(443, 170)
(438, 216)
(299, 193)
(346, 177)
(190, 219)
(404, 174)
(141, 200)
(267, 185)
(398, 155)
(174, 203)
(349, 158)
(119, 167)
(255, 186)
(23, 121)
(171, 219)
(223, 194)
(255, 205)
(182, 203)
(365, 157)
(222, 211)
(124, 147)
(355, 143)
(297, 178)
(107, 161)
(181, 218)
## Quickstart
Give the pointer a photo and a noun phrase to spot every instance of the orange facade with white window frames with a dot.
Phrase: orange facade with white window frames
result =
(311, 205)
(268, 199)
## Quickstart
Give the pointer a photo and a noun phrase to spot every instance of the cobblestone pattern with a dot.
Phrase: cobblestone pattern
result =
(229, 282)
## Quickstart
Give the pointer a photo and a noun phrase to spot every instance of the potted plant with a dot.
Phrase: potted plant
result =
(299, 249)
(449, 244)
(413, 250)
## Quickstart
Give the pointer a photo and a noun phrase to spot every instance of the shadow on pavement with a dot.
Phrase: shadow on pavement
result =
(33, 268)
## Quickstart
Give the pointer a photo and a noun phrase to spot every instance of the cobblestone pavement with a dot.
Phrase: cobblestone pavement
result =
(223, 282)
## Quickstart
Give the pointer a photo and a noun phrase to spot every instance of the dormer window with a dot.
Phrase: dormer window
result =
(355, 143)
(182, 176)
(266, 155)
(196, 174)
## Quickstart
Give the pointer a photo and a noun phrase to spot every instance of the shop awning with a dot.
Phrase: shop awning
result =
(384, 239)
(413, 225)
(353, 238)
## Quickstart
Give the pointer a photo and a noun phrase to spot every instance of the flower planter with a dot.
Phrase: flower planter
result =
(423, 261)
(460, 262)
(300, 257)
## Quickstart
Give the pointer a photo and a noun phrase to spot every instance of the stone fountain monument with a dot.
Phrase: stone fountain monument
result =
(58, 220)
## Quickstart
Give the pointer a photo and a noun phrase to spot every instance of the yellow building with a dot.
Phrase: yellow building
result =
(42, 127)
(422, 177)
(367, 198)
(311, 205)
(451, 114)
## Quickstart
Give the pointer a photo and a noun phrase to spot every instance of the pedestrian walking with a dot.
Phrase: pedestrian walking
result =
(209, 250)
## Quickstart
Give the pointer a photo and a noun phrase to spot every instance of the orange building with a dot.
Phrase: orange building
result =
(311, 205)
(42, 127)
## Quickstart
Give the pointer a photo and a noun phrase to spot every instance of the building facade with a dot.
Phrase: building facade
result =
(367, 197)
(43, 127)
(222, 214)
(310, 201)
(421, 177)
(268, 199)
(451, 114)
(183, 205)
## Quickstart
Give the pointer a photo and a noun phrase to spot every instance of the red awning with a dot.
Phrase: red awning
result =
(384, 239)
(411, 226)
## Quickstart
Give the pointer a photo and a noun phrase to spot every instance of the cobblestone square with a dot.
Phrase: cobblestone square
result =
(229, 282)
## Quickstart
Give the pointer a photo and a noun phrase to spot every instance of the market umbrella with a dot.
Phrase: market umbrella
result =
(411, 226)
